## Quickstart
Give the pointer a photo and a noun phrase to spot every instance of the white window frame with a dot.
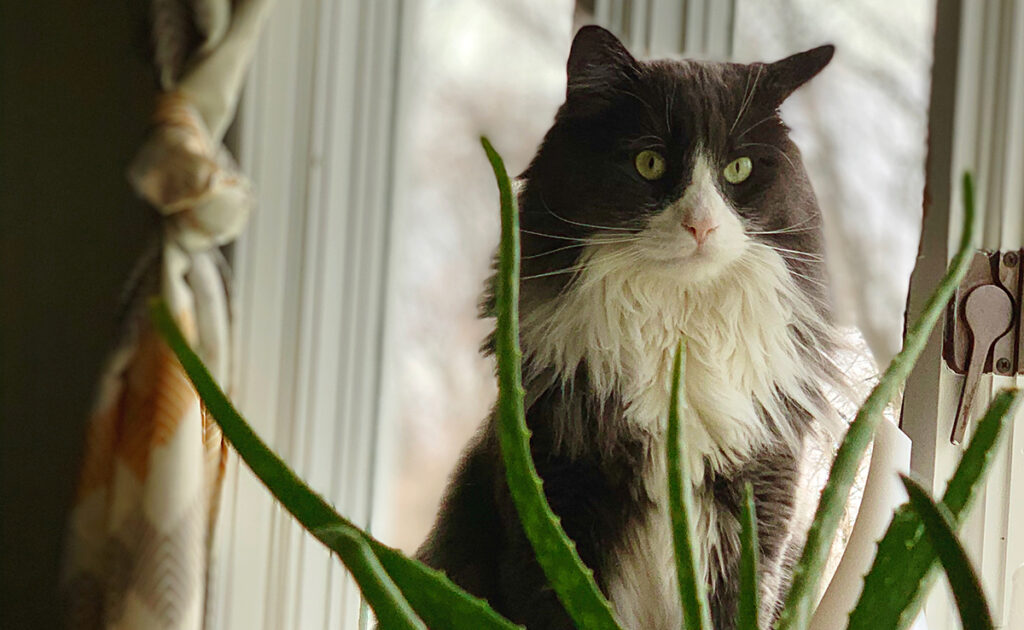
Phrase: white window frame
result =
(316, 134)
(976, 122)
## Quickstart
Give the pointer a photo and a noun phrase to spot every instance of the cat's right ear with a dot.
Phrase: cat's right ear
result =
(597, 60)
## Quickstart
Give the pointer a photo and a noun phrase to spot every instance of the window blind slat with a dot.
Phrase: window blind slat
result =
(316, 137)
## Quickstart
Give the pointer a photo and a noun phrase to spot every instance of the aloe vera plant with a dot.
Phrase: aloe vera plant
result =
(796, 614)
(938, 525)
(748, 609)
(406, 594)
(437, 601)
(904, 564)
(696, 612)
(572, 580)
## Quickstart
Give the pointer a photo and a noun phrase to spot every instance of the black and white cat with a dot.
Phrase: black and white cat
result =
(667, 200)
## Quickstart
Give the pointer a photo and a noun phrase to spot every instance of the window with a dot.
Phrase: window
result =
(446, 225)
(359, 276)
(317, 134)
(975, 123)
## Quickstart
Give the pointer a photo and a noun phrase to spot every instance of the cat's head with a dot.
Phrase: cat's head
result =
(679, 166)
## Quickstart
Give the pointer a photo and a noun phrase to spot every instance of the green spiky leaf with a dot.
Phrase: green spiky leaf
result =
(802, 595)
(436, 600)
(963, 580)
(904, 564)
(750, 550)
(571, 580)
(692, 590)
(379, 590)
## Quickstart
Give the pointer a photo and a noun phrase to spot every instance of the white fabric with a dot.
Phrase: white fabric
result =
(140, 531)
(190, 179)
(214, 83)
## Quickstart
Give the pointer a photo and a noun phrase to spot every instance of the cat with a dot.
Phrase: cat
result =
(666, 201)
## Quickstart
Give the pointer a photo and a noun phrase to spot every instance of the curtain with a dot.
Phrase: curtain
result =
(140, 528)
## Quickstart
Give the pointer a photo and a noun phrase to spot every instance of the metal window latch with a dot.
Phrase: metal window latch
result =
(983, 327)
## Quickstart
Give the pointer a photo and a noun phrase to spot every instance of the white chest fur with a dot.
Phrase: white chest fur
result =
(623, 322)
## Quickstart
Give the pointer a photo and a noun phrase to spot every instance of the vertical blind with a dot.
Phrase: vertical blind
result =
(669, 27)
(316, 133)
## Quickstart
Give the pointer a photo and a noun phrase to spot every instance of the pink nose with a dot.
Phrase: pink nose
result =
(700, 229)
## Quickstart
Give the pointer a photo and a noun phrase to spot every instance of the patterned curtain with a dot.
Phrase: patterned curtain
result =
(141, 526)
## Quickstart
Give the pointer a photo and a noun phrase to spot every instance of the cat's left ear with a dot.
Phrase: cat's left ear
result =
(786, 75)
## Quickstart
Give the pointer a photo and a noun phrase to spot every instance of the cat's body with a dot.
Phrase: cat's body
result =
(623, 254)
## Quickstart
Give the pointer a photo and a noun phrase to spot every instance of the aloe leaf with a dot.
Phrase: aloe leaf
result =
(903, 567)
(436, 599)
(803, 593)
(438, 602)
(750, 550)
(571, 580)
(692, 590)
(964, 582)
(388, 603)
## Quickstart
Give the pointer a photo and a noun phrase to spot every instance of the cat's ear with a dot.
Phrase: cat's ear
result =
(786, 75)
(597, 59)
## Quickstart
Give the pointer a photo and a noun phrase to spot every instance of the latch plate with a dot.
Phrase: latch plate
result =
(985, 310)
(1002, 269)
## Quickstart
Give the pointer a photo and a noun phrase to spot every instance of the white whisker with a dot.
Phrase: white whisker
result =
(668, 110)
(573, 269)
(553, 251)
(770, 146)
(783, 231)
(757, 124)
(808, 278)
(742, 102)
(650, 110)
(748, 98)
(556, 236)
(657, 139)
(582, 265)
(579, 223)
(794, 252)
(789, 229)
(802, 260)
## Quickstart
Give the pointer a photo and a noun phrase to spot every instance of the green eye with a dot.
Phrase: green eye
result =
(650, 164)
(737, 171)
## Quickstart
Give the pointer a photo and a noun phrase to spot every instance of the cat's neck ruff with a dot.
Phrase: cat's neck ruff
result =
(747, 351)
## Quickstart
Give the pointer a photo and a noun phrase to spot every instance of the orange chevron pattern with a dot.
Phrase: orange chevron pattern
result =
(99, 443)
(124, 557)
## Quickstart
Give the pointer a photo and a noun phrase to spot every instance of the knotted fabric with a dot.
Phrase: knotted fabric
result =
(139, 533)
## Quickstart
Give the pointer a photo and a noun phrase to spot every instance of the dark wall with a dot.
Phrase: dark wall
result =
(75, 93)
